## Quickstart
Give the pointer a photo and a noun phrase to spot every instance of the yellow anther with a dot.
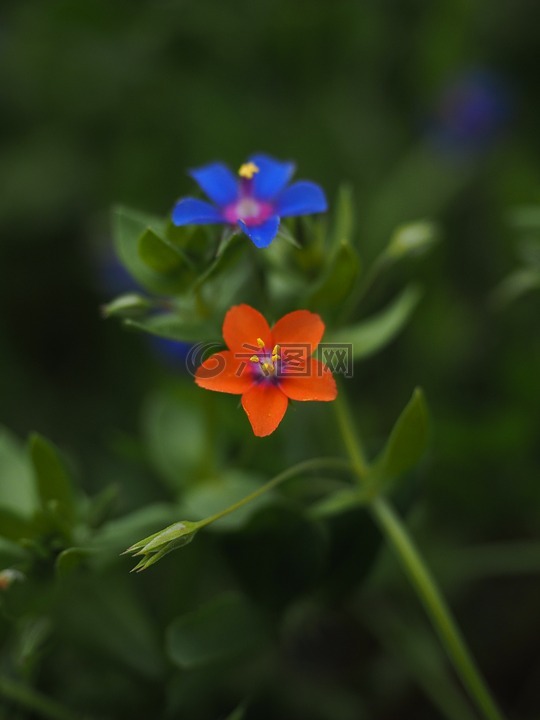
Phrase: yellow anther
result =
(248, 170)
(276, 350)
(254, 358)
(267, 367)
(260, 342)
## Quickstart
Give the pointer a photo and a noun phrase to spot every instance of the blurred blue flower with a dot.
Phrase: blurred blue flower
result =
(472, 111)
(254, 201)
(172, 353)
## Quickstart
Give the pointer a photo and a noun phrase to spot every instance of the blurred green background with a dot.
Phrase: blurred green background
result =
(427, 110)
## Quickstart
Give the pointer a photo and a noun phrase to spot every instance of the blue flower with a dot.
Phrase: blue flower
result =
(255, 201)
(472, 112)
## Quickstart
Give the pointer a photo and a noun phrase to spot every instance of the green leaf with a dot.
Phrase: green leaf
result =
(53, 482)
(229, 253)
(338, 279)
(285, 234)
(371, 335)
(11, 552)
(127, 305)
(107, 618)
(176, 436)
(159, 253)
(128, 228)
(407, 441)
(116, 535)
(222, 629)
(17, 486)
(174, 327)
(69, 560)
(14, 526)
(338, 502)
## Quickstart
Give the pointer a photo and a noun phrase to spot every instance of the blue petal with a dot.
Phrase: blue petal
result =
(190, 211)
(272, 176)
(263, 234)
(301, 198)
(218, 183)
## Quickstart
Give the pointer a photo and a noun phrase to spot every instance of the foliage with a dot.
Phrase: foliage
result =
(414, 119)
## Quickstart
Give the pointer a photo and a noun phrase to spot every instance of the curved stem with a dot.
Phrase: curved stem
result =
(350, 436)
(421, 579)
(306, 465)
(435, 606)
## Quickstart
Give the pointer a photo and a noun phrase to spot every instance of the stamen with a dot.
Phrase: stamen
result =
(248, 170)
(254, 358)
(267, 367)
(260, 342)
(275, 353)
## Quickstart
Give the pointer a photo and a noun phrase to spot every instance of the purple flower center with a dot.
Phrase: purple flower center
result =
(246, 208)
(266, 366)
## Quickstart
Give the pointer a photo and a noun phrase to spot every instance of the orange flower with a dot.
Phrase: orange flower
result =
(268, 367)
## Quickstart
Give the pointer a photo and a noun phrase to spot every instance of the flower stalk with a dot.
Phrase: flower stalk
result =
(417, 572)
(152, 548)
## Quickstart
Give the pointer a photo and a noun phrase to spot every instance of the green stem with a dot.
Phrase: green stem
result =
(306, 465)
(32, 700)
(435, 606)
(397, 536)
(350, 436)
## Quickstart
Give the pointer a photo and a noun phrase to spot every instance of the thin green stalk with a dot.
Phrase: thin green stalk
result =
(32, 700)
(350, 436)
(397, 536)
(304, 466)
(435, 606)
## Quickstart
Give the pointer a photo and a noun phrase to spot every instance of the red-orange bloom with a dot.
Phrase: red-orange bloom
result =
(268, 366)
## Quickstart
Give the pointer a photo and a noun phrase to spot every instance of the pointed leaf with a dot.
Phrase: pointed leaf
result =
(338, 502)
(371, 335)
(14, 526)
(338, 279)
(407, 441)
(173, 327)
(128, 227)
(285, 234)
(127, 305)
(159, 253)
(53, 482)
(17, 485)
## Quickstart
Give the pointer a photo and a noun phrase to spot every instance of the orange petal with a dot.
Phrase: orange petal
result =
(225, 373)
(312, 382)
(265, 406)
(242, 327)
(300, 327)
